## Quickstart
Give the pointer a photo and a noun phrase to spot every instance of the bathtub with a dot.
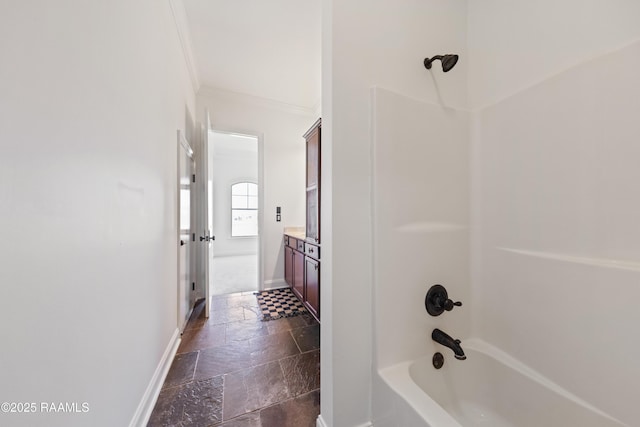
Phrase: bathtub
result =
(490, 388)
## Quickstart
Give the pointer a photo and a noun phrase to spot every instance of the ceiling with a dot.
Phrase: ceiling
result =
(265, 48)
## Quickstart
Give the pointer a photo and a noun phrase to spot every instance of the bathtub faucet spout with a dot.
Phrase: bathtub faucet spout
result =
(442, 338)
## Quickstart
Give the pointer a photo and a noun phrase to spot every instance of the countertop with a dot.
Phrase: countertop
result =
(296, 232)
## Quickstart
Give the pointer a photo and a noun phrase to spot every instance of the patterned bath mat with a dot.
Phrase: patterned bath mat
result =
(278, 303)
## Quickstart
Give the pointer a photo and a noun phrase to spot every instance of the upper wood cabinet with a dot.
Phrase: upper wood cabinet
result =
(313, 141)
(313, 155)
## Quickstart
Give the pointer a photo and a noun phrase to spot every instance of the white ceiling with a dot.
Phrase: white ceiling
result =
(265, 48)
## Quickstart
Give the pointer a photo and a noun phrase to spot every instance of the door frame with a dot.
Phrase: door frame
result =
(261, 214)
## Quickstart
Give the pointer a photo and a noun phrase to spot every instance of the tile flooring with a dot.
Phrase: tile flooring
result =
(230, 274)
(234, 370)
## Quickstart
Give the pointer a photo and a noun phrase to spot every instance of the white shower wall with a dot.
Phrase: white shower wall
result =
(555, 184)
(420, 223)
(553, 195)
(559, 247)
(367, 43)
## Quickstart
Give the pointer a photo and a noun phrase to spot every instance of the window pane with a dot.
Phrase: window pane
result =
(239, 189)
(239, 202)
(252, 202)
(244, 223)
(244, 213)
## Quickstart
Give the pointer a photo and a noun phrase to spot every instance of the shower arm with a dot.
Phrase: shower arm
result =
(429, 61)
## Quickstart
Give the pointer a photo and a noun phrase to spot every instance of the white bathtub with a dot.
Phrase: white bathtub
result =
(490, 388)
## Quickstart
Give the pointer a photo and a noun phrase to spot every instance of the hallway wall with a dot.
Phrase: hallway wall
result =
(91, 96)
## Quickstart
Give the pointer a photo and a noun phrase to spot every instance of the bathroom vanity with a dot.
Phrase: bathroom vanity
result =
(302, 245)
(302, 270)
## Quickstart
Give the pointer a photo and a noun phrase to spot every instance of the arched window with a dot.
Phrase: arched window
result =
(244, 209)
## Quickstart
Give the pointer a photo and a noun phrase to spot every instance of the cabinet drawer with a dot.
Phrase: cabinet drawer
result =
(292, 242)
(312, 250)
(300, 245)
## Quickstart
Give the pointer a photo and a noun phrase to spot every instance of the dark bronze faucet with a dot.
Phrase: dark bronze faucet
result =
(442, 338)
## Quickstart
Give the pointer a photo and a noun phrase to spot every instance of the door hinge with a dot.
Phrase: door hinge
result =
(193, 286)
(193, 178)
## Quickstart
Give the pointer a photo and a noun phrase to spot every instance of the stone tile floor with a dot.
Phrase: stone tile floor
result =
(234, 370)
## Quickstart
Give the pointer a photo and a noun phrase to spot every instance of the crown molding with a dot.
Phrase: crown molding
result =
(219, 93)
(182, 27)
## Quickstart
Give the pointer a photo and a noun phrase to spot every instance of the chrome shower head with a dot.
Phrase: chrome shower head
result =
(448, 61)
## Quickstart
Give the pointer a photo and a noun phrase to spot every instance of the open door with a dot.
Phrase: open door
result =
(185, 227)
(205, 233)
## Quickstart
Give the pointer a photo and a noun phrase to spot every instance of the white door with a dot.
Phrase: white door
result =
(206, 238)
(185, 228)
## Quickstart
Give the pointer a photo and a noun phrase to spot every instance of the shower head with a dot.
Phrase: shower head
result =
(448, 61)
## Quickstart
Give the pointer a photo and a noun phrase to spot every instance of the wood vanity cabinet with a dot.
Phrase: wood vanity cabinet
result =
(288, 265)
(312, 279)
(298, 275)
(294, 265)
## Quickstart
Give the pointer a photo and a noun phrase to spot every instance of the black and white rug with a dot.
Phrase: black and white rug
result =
(277, 303)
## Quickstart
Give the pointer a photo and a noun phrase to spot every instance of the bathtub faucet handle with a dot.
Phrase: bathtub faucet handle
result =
(437, 301)
(448, 304)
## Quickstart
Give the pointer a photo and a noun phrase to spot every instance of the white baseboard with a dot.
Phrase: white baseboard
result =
(320, 423)
(143, 412)
(274, 284)
(230, 254)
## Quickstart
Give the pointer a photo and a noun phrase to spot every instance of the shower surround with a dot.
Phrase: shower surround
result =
(526, 210)
(534, 229)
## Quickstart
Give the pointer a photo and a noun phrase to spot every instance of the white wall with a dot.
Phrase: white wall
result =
(556, 242)
(380, 43)
(92, 95)
(420, 224)
(228, 167)
(279, 128)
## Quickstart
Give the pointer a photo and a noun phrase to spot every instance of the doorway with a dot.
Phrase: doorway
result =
(234, 212)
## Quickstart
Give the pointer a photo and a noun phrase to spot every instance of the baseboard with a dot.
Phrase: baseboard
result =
(273, 284)
(320, 423)
(143, 412)
(230, 254)
(186, 319)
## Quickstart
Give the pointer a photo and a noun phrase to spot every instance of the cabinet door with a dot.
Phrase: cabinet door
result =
(313, 215)
(298, 275)
(313, 158)
(288, 265)
(312, 289)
